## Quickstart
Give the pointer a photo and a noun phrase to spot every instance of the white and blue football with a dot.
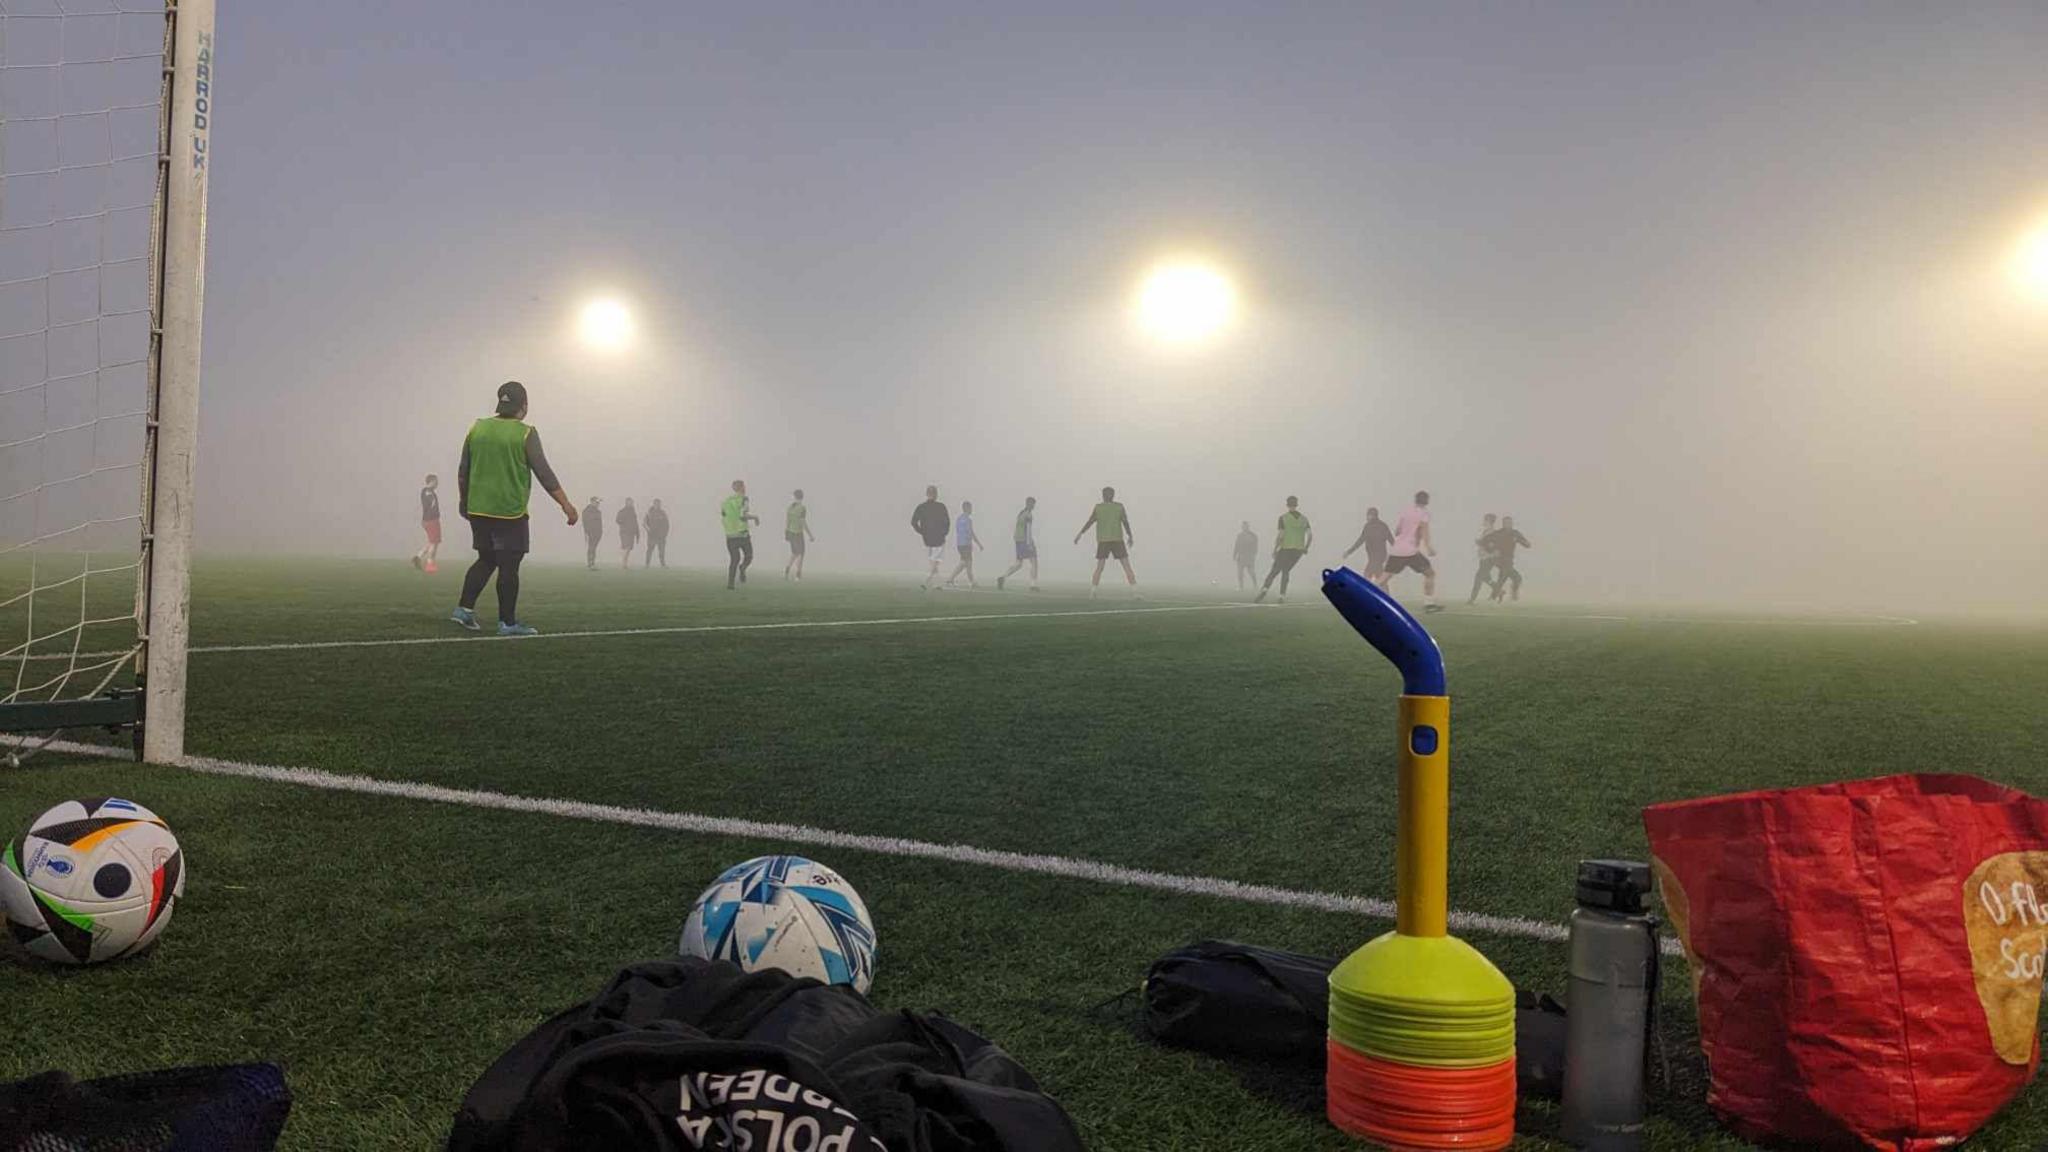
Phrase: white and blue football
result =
(789, 913)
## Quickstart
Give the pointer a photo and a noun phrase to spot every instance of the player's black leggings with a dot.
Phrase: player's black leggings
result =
(590, 554)
(506, 565)
(739, 556)
(656, 544)
(1479, 578)
(1283, 565)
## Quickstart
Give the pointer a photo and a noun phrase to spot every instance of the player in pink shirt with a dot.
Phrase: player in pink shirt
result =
(1412, 550)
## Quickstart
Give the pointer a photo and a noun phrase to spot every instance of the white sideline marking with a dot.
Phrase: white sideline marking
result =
(1760, 621)
(1069, 867)
(684, 629)
(778, 625)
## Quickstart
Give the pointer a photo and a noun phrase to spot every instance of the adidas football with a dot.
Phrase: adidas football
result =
(93, 880)
(789, 913)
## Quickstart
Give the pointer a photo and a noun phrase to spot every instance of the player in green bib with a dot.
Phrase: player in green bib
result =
(500, 460)
(734, 515)
(796, 528)
(1114, 537)
(1289, 546)
(1026, 537)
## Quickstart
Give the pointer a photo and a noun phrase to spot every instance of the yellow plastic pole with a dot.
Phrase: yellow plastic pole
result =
(1422, 836)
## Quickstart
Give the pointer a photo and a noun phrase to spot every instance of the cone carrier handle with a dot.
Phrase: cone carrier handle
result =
(1422, 834)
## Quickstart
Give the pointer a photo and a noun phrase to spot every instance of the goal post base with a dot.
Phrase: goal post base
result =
(118, 709)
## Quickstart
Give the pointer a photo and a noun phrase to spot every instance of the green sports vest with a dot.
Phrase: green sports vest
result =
(499, 476)
(793, 524)
(1293, 531)
(1109, 522)
(734, 512)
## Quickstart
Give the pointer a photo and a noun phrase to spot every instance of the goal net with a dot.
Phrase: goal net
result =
(103, 109)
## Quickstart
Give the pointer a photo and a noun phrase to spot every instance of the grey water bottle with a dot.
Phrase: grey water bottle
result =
(1613, 969)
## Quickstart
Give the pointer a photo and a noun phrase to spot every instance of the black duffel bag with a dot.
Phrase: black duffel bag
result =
(688, 1055)
(1239, 999)
(1232, 999)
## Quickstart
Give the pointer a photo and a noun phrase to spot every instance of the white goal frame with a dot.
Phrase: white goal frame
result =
(177, 292)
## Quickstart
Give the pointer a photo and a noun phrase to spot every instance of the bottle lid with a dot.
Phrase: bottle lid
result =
(1613, 885)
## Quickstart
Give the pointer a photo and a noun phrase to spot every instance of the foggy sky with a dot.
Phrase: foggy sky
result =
(1707, 296)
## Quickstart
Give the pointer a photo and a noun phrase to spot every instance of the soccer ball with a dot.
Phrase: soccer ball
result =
(93, 880)
(785, 912)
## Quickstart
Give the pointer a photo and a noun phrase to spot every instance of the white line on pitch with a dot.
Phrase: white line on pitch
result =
(1871, 620)
(1069, 867)
(1759, 621)
(684, 629)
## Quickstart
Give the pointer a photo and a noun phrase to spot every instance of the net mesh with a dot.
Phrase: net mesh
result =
(81, 95)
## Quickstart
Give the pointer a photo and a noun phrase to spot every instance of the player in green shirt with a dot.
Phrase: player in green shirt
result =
(796, 528)
(1289, 546)
(1114, 537)
(734, 515)
(1027, 543)
(500, 460)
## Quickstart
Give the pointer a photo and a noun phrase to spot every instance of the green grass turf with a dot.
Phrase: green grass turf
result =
(386, 950)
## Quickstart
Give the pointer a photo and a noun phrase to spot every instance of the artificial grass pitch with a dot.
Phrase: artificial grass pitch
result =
(386, 949)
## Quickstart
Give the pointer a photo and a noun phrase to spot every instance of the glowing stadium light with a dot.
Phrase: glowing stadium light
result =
(2029, 266)
(605, 325)
(1186, 302)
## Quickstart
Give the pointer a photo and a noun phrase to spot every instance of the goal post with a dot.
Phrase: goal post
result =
(105, 116)
(172, 437)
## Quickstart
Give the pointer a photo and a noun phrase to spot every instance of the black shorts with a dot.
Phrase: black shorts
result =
(491, 534)
(1416, 563)
(1111, 550)
(1286, 558)
(796, 542)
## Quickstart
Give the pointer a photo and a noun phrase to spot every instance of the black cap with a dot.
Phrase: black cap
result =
(511, 397)
(1615, 885)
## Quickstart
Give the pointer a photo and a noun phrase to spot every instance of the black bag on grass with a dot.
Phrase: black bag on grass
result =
(1239, 999)
(687, 1055)
(1233, 999)
(1539, 1045)
(234, 1108)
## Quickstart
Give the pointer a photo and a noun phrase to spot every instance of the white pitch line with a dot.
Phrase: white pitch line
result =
(686, 629)
(1068, 867)
(1169, 606)
(1869, 620)
(1760, 621)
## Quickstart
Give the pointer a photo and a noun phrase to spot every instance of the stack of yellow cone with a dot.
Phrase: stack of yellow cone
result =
(1422, 1045)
